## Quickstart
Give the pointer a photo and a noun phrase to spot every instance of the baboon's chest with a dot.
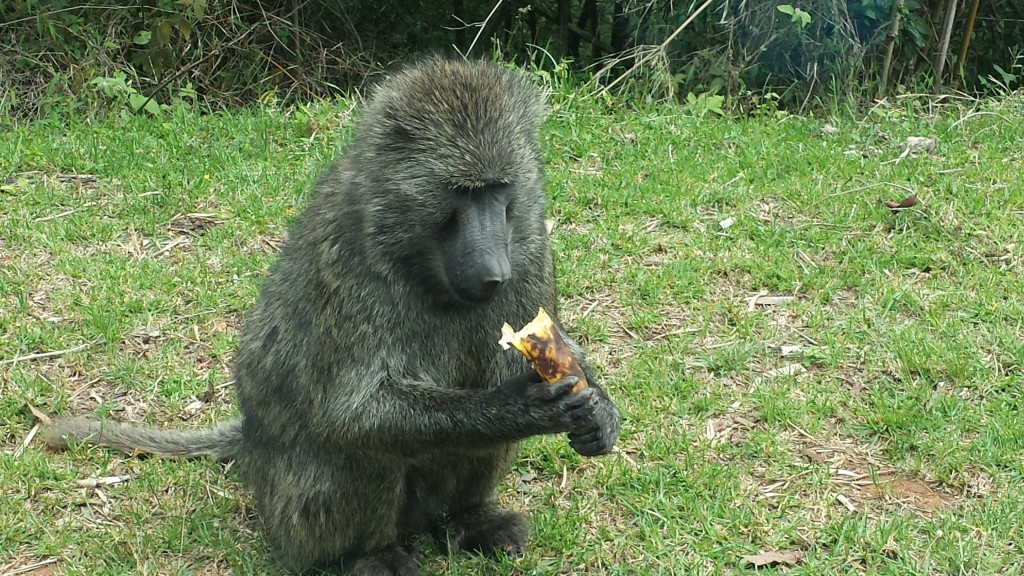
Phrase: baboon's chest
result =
(471, 363)
(463, 357)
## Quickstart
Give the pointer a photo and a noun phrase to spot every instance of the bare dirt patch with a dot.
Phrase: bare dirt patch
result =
(913, 492)
(604, 306)
(77, 180)
(40, 298)
(28, 566)
(863, 481)
(178, 234)
(215, 567)
(194, 224)
(87, 395)
(732, 427)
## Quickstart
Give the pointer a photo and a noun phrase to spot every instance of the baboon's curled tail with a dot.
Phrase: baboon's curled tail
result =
(220, 443)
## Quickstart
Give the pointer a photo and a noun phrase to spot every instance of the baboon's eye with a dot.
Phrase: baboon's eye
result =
(449, 222)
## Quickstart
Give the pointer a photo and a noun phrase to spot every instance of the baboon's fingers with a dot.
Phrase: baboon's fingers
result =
(582, 427)
(591, 437)
(594, 444)
(579, 402)
(559, 388)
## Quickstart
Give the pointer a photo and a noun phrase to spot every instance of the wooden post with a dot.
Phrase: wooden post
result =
(890, 44)
(968, 30)
(564, 18)
(940, 58)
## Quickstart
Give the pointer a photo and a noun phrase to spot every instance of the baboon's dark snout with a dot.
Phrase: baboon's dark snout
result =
(496, 272)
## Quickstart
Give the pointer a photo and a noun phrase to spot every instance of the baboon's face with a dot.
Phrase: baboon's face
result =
(453, 178)
(457, 241)
(474, 241)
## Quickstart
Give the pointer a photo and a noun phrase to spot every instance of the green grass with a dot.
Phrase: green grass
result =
(899, 449)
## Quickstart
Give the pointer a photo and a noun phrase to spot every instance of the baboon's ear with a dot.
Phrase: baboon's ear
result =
(529, 110)
(399, 135)
(543, 100)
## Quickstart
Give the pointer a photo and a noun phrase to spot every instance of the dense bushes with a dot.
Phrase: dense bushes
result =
(225, 52)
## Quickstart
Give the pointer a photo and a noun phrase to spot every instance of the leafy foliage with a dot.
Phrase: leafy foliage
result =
(178, 52)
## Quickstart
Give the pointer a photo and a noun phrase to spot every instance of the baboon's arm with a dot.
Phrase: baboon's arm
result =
(414, 416)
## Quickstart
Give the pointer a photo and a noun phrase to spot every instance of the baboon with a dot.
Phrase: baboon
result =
(375, 403)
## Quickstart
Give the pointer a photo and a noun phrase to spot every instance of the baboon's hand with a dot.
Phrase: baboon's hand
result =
(547, 408)
(595, 424)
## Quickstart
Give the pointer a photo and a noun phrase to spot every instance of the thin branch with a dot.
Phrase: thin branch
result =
(188, 68)
(660, 48)
(483, 25)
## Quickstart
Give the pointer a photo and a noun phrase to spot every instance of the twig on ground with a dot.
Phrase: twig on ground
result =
(41, 355)
(30, 567)
(102, 481)
(55, 216)
(27, 440)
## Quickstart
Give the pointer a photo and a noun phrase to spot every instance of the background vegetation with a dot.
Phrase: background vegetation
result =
(224, 52)
(803, 370)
